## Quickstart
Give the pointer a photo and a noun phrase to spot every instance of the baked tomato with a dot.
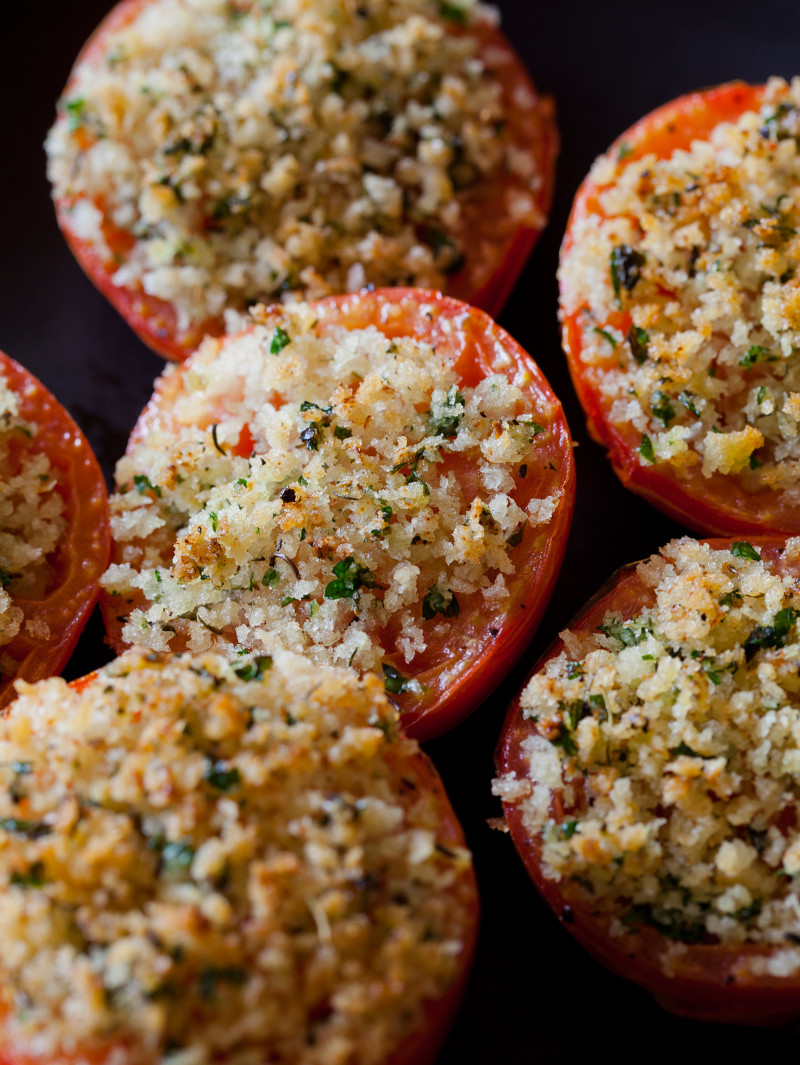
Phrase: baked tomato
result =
(679, 295)
(261, 865)
(383, 480)
(54, 535)
(412, 150)
(649, 776)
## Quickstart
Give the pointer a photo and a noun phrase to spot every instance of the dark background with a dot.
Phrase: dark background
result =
(534, 995)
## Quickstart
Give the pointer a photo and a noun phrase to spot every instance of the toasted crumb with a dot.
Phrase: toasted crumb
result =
(204, 862)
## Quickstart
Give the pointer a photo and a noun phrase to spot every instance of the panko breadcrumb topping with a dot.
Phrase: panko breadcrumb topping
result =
(203, 863)
(684, 277)
(328, 491)
(669, 742)
(31, 517)
(221, 152)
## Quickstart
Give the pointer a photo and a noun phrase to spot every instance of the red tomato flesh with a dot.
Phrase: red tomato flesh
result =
(82, 555)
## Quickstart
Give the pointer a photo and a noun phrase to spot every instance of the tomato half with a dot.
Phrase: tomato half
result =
(694, 975)
(501, 208)
(609, 336)
(53, 620)
(471, 645)
(392, 884)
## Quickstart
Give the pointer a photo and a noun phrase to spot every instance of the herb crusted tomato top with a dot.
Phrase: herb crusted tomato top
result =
(680, 306)
(207, 154)
(651, 777)
(209, 863)
(383, 481)
(54, 537)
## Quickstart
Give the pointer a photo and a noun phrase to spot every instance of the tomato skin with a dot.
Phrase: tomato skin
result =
(484, 282)
(712, 505)
(705, 981)
(82, 556)
(488, 641)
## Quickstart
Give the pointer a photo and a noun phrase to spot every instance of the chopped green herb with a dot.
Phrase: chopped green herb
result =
(624, 150)
(574, 671)
(411, 464)
(270, 578)
(756, 354)
(76, 115)
(629, 634)
(626, 268)
(393, 680)
(515, 538)
(732, 598)
(673, 924)
(386, 516)
(33, 878)
(662, 408)
(566, 742)
(220, 776)
(684, 749)
(638, 339)
(28, 829)
(742, 549)
(212, 517)
(774, 635)
(449, 414)
(761, 394)
(606, 336)
(350, 576)
(688, 400)
(341, 432)
(440, 602)
(176, 858)
(568, 829)
(143, 484)
(453, 12)
(254, 670)
(646, 449)
(280, 338)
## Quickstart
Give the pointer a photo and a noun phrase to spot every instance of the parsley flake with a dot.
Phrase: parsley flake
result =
(440, 602)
